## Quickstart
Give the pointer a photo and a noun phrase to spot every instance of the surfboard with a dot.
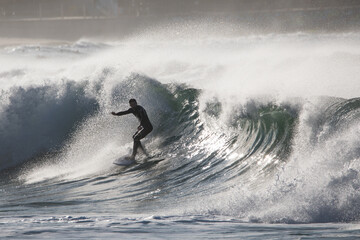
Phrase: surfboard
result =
(124, 161)
(144, 165)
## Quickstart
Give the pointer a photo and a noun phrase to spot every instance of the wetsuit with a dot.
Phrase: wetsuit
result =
(145, 125)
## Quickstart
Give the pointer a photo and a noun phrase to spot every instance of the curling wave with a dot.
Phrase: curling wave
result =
(258, 157)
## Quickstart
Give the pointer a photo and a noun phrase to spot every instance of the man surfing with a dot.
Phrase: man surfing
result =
(143, 129)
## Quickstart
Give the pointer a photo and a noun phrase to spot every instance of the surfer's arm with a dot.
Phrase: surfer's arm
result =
(121, 113)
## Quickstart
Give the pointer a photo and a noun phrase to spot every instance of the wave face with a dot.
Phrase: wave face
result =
(261, 128)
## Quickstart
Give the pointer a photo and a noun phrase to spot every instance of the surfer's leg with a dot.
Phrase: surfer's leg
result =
(141, 147)
(143, 150)
(137, 144)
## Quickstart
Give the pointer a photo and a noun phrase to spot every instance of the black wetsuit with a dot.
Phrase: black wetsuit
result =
(145, 123)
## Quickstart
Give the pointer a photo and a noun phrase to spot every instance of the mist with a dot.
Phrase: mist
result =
(111, 19)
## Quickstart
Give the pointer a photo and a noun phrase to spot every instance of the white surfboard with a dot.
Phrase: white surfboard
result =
(124, 161)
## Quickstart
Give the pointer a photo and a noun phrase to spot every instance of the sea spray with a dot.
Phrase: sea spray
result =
(240, 121)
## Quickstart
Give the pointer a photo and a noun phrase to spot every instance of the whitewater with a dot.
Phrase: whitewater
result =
(259, 135)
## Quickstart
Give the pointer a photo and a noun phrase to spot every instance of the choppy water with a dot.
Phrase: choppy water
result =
(260, 136)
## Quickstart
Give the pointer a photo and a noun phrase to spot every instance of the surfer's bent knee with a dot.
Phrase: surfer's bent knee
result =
(140, 135)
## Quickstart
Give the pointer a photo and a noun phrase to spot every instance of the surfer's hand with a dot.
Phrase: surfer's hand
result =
(113, 113)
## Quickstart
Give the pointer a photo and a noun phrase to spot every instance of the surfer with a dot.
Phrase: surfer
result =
(143, 129)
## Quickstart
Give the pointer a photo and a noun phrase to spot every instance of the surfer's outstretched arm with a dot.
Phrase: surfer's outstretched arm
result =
(122, 113)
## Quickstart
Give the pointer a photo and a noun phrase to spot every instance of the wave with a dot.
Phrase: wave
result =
(318, 183)
(259, 157)
(38, 120)
(241, 152)
(81, 47)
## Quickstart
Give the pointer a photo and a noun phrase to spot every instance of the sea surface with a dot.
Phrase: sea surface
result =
(259, 136)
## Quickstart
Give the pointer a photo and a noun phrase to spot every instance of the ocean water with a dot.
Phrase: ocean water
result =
(259, 136)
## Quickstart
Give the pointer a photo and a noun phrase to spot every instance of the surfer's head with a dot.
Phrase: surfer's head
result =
(132, 103)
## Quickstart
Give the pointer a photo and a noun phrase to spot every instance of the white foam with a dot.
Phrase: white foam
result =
(235, 68)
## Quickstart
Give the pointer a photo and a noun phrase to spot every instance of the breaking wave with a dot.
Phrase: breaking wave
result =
(266, 157)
